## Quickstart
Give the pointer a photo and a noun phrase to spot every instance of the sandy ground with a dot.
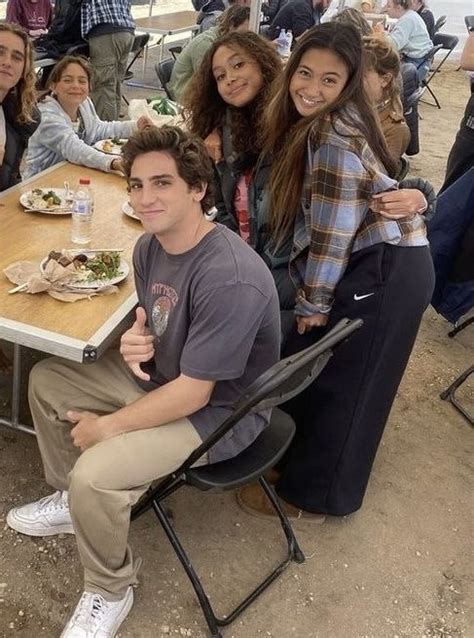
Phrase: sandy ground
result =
(400, 567)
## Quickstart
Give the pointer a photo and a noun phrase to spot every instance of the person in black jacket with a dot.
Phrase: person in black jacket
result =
(272, 7)
(19, 116)
(428, 18)
(298, 16)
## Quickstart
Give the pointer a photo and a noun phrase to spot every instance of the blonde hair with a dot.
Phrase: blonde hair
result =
(24, 91)
(381, 56)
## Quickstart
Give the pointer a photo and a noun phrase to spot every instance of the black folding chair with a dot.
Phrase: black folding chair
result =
(175, 51)
(445, 42)
(163, 71)
(439, 24)
(138, 47)
(469, 22)
(281, 382)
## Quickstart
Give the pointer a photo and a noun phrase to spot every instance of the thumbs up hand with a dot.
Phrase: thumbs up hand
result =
(136, 345)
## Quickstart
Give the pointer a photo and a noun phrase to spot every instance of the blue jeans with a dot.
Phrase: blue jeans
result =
(422, 70)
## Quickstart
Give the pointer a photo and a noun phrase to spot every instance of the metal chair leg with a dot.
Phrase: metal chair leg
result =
(294, 553)
(450, 394)
(294, 550)
(189, 569)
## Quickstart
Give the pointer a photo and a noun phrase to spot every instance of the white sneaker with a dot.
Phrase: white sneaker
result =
(95, 617)
(46, 517)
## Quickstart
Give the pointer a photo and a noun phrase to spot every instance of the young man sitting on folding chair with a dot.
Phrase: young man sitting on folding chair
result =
(206, 327)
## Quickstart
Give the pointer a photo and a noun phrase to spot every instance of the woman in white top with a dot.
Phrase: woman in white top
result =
(70, 125)
(409, 35)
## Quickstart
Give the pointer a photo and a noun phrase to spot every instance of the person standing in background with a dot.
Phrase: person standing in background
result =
(33, 15)
(461, 156)
(109, 28)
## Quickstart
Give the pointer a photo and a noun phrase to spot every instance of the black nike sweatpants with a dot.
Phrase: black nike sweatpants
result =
(340, 418)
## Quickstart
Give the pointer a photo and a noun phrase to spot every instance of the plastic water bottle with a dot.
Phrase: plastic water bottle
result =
(284, 42)
(82, 210)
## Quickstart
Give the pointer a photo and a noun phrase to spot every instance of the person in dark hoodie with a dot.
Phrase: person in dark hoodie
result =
(298, 16)
(19, 116)
(210, 10)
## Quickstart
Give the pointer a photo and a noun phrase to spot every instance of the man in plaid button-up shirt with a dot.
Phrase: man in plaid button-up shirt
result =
(109, 27)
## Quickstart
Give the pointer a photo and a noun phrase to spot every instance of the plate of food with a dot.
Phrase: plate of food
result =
(128, 210)
(111, 146)
(88, 268)
(53, 201)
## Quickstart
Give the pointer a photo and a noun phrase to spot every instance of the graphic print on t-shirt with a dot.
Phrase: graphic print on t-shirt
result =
(166, 300)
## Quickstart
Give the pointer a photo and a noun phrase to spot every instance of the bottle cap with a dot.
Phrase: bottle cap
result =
(84, 180)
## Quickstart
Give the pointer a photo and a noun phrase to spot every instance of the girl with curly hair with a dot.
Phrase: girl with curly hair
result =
(227, 98)
(18, 114)
(329, 159)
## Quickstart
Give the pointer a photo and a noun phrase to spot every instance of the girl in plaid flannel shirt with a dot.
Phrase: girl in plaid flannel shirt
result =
(329, 160)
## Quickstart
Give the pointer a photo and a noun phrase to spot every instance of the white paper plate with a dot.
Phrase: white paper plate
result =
(33, 201)
(98, 283)
(108, 147)
(128, 210)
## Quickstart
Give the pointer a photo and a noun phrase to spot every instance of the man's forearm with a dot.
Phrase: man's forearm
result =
(172, 401)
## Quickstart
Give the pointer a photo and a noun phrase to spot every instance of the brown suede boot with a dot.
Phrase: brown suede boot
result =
(253, 500)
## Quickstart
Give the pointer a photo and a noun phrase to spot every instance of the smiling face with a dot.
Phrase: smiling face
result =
(12, 61)
(237, 75)
(318, 81)
(161, 198)
(73, 86)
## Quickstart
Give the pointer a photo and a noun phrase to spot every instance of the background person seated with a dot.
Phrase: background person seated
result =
(426, 15)
(350, 15)
(236, 18)
(70, 125)
(364, 6)
(33, 15)
(409, 35)
(271, 8)
(298, 16)
(382, 73)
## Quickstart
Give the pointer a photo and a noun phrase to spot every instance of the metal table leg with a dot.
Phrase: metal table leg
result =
(14, 422)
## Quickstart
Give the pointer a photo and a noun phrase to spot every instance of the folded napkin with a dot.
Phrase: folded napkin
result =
(58, 281)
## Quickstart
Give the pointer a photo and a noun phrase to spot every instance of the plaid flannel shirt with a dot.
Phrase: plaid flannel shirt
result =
(335, 220)
(116, 12)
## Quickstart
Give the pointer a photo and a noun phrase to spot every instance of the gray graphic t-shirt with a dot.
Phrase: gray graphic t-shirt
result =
(215, 315)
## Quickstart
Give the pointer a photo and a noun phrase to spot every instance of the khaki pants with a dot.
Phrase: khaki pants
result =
(109, 55)
(107, 479)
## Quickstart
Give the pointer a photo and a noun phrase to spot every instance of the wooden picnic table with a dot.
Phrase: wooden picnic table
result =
(78, 331)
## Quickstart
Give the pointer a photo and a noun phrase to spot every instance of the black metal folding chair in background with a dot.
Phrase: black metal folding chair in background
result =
(277, 385)
(441, 42)
(138, 47)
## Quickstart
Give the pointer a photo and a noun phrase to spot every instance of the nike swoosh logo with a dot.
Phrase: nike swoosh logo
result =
(359, 297)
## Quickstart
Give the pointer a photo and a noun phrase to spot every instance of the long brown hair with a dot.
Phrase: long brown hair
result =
(381, 56)
(286, 133)
(24, 92)
(205, 109)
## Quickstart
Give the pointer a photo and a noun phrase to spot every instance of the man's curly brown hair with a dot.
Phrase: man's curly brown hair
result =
(192, 160)
(204, 108)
